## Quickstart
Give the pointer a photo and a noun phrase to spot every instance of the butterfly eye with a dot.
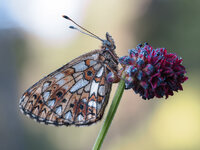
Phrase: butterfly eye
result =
(71, 105)
(81, 107)
(34, 96)
(59, 94)
(89, 73)
(40, 101)
(64, 100)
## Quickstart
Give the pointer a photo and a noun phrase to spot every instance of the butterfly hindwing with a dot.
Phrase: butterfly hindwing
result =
(77, 93)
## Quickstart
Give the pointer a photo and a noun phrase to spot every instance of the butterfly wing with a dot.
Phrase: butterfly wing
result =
(76, 93)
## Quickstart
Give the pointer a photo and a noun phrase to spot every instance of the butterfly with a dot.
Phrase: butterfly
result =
(77, 93)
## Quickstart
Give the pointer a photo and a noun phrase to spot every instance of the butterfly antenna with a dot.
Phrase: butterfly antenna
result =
(72, 27)
(90, 33)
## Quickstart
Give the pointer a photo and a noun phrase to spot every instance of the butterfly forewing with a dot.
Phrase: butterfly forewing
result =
(77, 93)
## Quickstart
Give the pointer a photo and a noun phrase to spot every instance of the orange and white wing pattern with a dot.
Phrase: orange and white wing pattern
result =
(75, 94)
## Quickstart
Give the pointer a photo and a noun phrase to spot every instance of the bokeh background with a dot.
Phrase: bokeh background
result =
(35, 40)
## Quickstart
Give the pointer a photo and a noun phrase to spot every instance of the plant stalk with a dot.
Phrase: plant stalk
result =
(110, 115)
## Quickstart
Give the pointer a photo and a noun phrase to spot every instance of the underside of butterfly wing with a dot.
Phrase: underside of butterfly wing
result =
(77, 93)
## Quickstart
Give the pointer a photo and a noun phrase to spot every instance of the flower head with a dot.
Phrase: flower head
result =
(153, 72)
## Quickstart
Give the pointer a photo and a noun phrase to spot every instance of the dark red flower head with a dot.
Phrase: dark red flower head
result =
(153, 72)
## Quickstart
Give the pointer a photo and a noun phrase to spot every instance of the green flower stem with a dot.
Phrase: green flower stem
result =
(110, 115)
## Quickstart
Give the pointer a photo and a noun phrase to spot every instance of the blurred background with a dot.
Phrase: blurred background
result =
(35, 40)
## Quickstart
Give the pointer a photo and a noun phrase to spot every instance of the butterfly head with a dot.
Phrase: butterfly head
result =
(109, 43)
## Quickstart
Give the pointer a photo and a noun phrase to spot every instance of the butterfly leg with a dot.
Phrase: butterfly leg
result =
(113, 77)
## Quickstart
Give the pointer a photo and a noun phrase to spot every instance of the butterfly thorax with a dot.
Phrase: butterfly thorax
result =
(109, 45)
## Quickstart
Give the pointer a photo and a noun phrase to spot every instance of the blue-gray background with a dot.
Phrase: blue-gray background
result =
(35, 40)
